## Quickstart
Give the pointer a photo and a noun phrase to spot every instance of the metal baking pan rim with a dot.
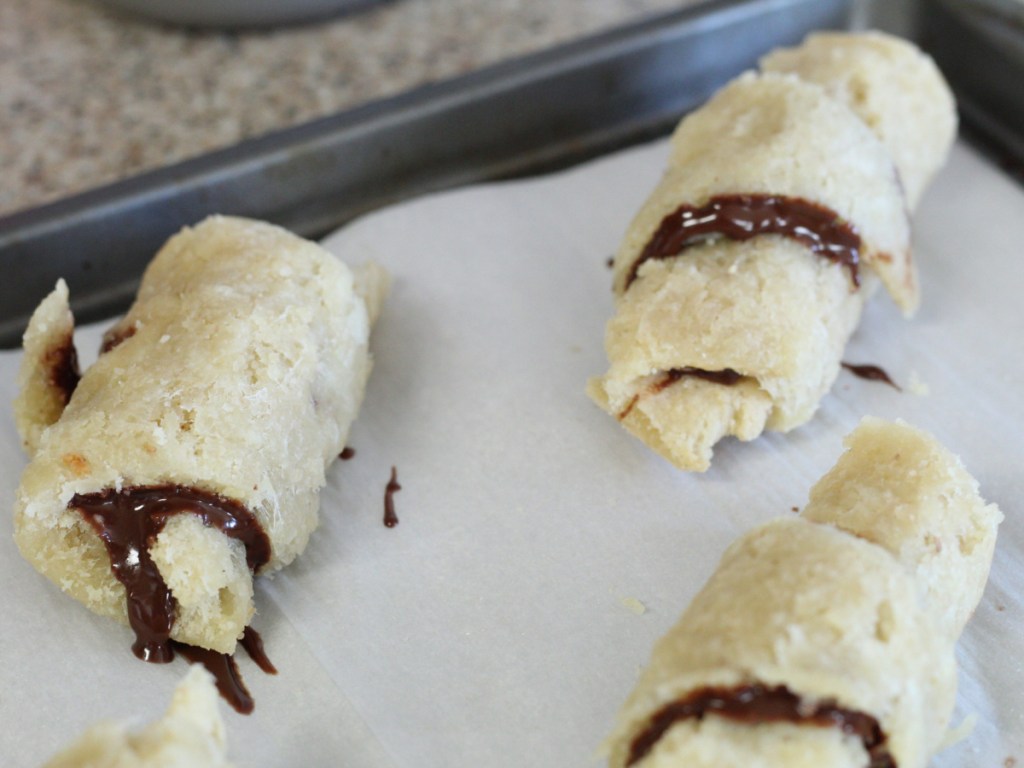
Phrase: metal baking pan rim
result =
(100, 239)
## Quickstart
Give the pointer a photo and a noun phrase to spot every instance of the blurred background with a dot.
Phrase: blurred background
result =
(91, 93)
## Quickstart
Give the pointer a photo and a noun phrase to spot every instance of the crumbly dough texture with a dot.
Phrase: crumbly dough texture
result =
(903, 490)
(768, 308)
(189, 735)
(829, 614)
(893, 86)
(40, 401)
(776, 134)
(241, 368)
(761, 308)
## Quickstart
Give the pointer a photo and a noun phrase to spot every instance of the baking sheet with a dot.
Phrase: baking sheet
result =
(553, 108)
(979, 46)
(497, 624)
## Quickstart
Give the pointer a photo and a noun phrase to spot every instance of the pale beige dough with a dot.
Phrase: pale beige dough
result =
(892, 85)
(242, 366)
(40, 401)
(901, 489)
(768, 308)
(827, 615)
(776, 134)
(189, 735)
(698, 311)
(830, 615)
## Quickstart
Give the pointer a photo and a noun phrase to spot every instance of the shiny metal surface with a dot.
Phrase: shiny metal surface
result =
(233, 14)
(980, 48)
(527, 116)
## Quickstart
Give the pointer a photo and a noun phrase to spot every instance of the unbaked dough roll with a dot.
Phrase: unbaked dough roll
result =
(743, 328)
(215, 408)
(720, 327)
(733, 338)
(189, 735)
(811, 646)
(892, 85)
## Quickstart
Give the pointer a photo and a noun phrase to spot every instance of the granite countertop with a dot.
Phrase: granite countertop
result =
(90, 96)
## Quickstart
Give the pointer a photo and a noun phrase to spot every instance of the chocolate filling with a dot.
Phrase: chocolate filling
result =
(741, 217)
(759, 704)
(253, 644)
(871, 373)
(61, 362)
(726, 377)
(390, 517)
(115, 336)
(129, 521)
(347, 453)
(224, 668)
(225, 673)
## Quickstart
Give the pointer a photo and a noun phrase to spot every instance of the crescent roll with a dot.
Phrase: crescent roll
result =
(191, 454)
(742, 277)
(826, 639)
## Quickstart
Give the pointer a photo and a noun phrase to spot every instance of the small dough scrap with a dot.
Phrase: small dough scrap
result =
(48, 343)
(189, 735)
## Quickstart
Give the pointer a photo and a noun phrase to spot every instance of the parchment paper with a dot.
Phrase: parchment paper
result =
(499, 623)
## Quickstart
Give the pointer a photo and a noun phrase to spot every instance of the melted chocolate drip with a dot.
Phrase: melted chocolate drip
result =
(726, 377)
(224, 668)
(390, 518)
(129, 521)
(253, 644)
(758, 704)
(61, 362)
(871, 373)
(347, 453)
(741, 217)
(225, 672)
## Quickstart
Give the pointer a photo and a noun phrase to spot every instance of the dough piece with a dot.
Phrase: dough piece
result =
(763, 308)
(189, 735)
(742, 328)
(236, 374)
(804, 625)
(892, 85)
(778, 135)
(766, 308)
(900, 488)
(50, 373)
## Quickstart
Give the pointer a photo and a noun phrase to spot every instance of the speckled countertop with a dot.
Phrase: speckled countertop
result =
(89, 96)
